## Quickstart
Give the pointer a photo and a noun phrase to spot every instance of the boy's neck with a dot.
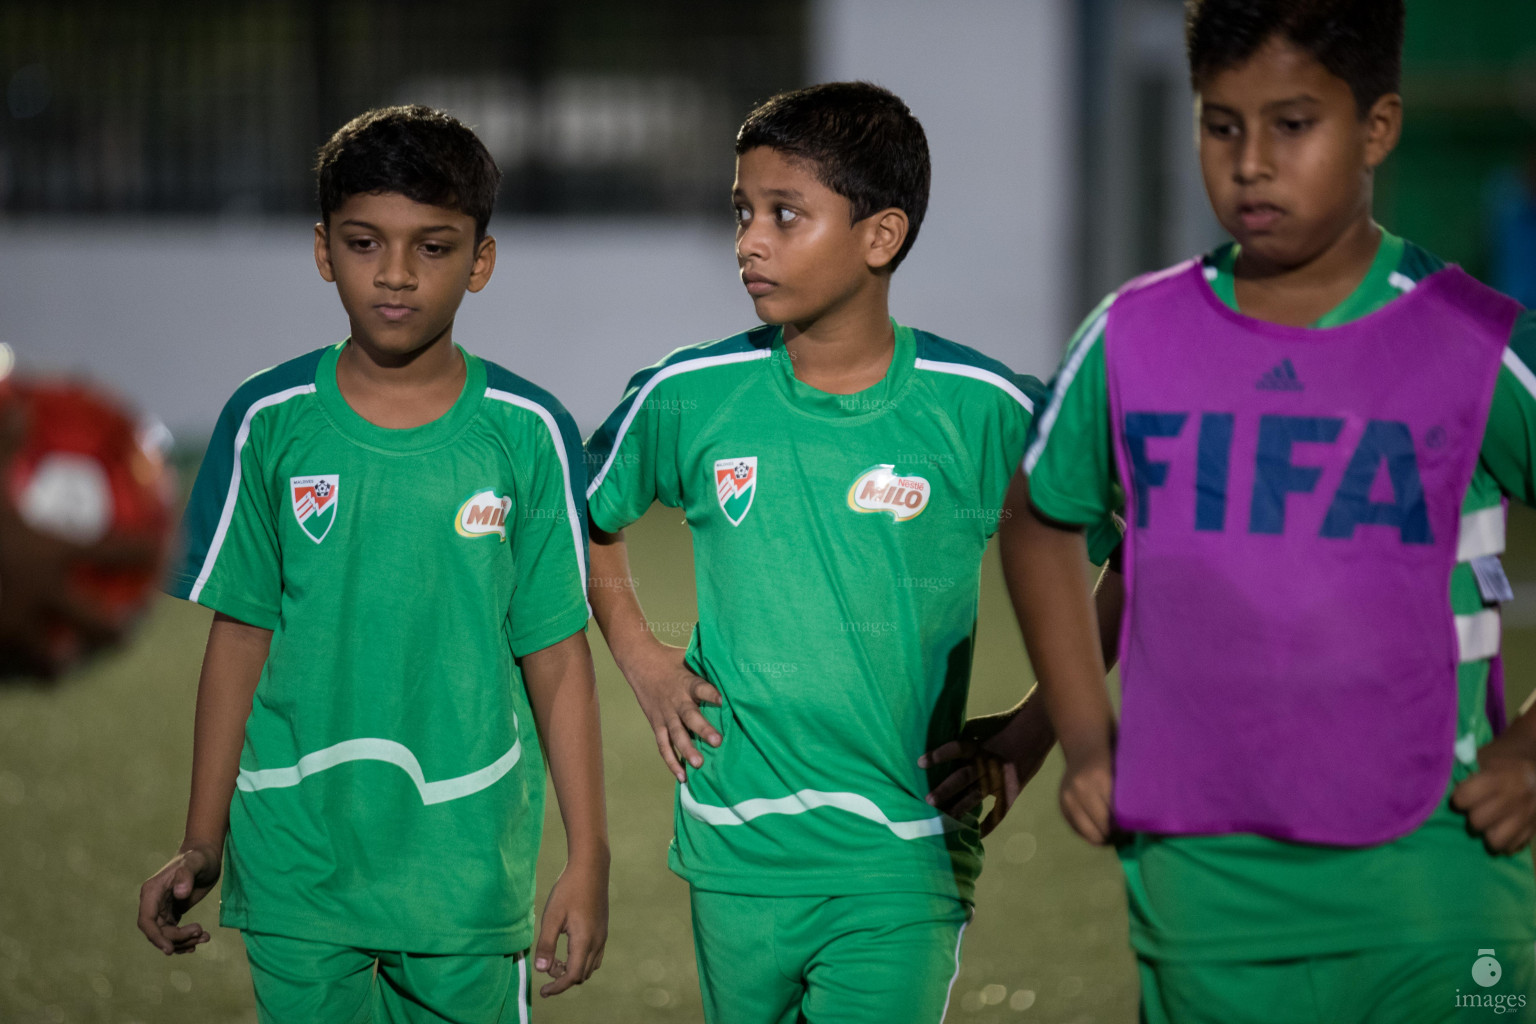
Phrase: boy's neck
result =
(849, 347)
(401, 393)
(1300, 295)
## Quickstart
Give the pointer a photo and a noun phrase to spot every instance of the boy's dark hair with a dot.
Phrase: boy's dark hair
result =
(1360, 41)
(421, 153)
(863, 142)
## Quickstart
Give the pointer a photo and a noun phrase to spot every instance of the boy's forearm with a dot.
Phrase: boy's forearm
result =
(1520, 735)
(1044, 567)
(562, 689)
(615, 604)
(1108, 606)
(232, 666)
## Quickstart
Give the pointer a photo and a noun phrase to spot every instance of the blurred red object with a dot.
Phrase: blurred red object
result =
(81, 470)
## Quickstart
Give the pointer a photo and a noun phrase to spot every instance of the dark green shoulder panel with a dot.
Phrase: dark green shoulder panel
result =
(603, 439)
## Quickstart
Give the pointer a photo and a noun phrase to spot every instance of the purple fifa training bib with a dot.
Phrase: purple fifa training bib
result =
(1293, 498)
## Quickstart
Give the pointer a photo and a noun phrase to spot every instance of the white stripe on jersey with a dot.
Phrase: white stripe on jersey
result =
(565, 469)
(1402, 282)
(806, 800)
(228, 513)
(1059, 389)
(1522, 373)
(638, 401)
(953, 977)
(1477, 636)
(523, 997)
(1481, 534)
(977, 373)
(370, 748)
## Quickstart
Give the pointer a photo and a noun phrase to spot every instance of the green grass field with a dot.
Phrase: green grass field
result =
(93, 783)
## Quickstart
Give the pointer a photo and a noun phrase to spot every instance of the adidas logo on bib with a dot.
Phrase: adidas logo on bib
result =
(1281, 378)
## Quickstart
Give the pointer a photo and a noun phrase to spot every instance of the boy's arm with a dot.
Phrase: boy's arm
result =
(669, 694)
(1043, 564)
(562, 690)
(232, 666)
(998, 754)
(1499, 800)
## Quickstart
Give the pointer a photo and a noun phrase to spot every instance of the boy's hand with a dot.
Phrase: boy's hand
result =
(1087, 796)
(998, 755)
(1500, 799)
(171, 892)
(577, 906)
(670, 696)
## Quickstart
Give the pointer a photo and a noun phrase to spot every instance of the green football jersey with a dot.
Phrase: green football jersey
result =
(391, 786)
(837, 545)
(1248, 897)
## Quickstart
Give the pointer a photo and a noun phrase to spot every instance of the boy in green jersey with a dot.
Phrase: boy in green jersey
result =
(840, 474)
(1297, 106)
(391, 533)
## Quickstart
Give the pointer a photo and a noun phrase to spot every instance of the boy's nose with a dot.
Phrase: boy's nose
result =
(395, 272)
(1253, 159)
(751, 244)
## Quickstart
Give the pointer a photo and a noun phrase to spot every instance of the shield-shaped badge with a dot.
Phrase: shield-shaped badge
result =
(314, 503)
(736, 486)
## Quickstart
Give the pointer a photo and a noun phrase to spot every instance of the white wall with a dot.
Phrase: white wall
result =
(175, 314)
(992, 83)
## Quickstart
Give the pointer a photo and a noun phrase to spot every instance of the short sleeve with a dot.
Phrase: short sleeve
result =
(1070, 456)
(633, 456)
(1004, 447)
(549, 543)
(1509, 442)
(230, 560)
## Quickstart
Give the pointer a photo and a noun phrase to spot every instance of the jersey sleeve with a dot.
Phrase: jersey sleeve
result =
(633, 456)
(1509, 442)
(230, 560)
(1070, 458)
(549, 543)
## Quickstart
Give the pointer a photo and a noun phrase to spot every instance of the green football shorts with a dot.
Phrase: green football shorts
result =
(302, 982)
(863, 959)
(1423, 983)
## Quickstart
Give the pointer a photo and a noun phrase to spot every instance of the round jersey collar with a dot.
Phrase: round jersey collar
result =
(874, 400)
(409, 440)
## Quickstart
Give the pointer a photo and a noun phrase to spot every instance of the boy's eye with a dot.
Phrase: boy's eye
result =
(742, 214)
(1221, 130)
(1294, 125)
(361, 244)
(435, 249)
(785, 214)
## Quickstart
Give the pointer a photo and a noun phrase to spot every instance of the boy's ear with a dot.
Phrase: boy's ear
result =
(885, 235)
(1383, 127)
(323, 253)
(485, 262)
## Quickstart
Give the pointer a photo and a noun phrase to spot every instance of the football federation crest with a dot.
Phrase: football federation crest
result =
(483, 515)
(736, 486)
(879, 489)
(314, 503)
